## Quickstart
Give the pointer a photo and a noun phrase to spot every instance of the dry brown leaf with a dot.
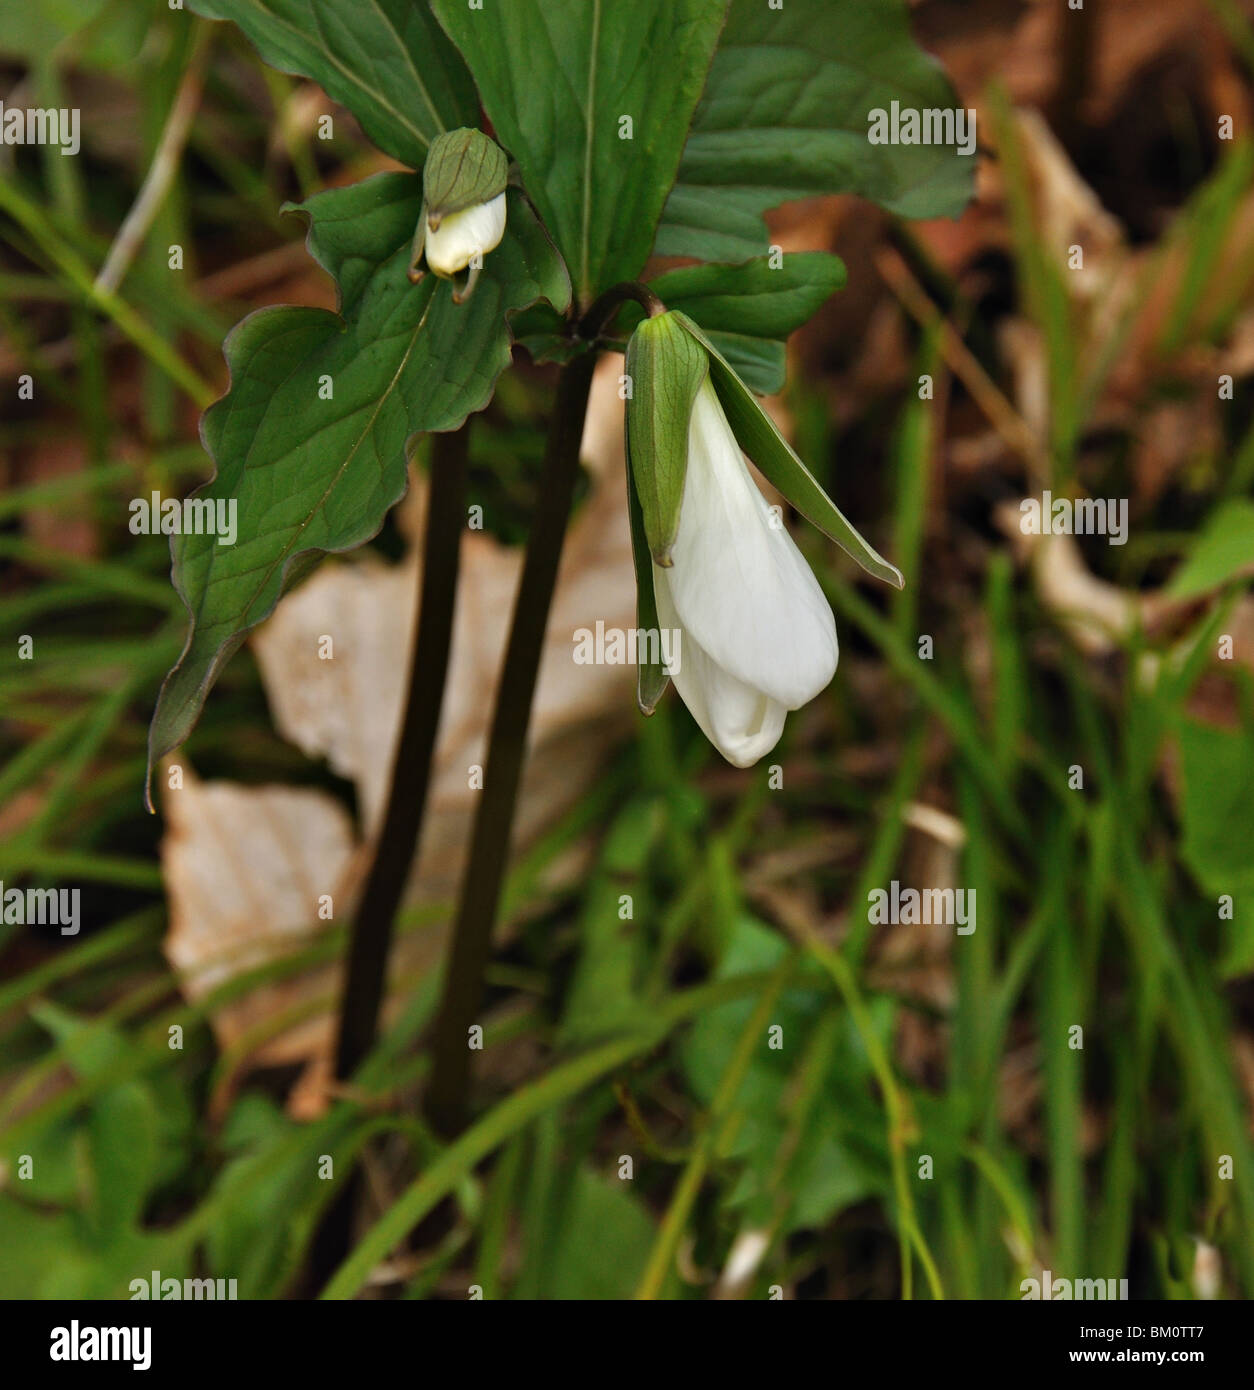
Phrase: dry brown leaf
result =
(244, 869)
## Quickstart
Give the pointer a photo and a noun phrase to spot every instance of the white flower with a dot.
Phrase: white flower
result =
(759, 638)
(461, 236)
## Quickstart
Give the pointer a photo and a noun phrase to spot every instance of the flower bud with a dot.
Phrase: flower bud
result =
(463, 208)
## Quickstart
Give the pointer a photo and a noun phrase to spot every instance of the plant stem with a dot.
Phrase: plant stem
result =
(603, 309)
(370, 939)
(481, 885)
(371, 936)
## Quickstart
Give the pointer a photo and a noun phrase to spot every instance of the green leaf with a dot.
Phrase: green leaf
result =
(311, 475)
(1223, 551)
(606, 989)
(666, 367)
(747, 311)
(90, 1048)
(265, 1193)
(557, 79)
(785, 115)
(756, 434)
(599, 1240)
(47, 1242)
(32, 31)
(1217, 812)
(800, 1169)
(124, 1129)
(386, 60)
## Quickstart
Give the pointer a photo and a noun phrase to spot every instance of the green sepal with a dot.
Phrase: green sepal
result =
(665, 367)
(757, 436)
(418, 246)
(651, 677)
(464, 167)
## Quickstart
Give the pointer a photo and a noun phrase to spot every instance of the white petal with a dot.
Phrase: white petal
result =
(461, 236)
(742, 723)
(741, 588)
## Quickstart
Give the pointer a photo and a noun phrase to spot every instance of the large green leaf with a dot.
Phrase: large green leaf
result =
(747, 311)
(311, 475)
(559, 79)
(386, 60)
(785, 115)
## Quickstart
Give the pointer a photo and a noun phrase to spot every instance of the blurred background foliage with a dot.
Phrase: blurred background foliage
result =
(1098, 904)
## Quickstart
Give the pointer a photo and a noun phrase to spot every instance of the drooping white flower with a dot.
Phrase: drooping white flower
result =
(456, 239)
(464, 209)
(758, 636)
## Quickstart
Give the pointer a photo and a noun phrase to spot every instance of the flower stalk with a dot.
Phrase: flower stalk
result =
(370, 938)
(462, 994)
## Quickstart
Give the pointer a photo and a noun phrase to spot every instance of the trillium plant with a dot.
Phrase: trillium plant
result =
(581, 176)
